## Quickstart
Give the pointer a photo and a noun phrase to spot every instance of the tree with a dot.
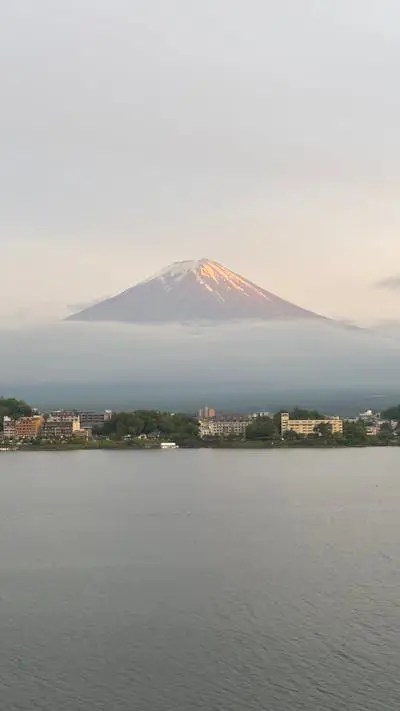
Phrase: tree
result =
(355, 433)
(292, 436)
(179, 428)
(385, 434)
(11, 407)
(277, 419)
(263, 428)
(300, 414)
(392, 413)
(323, 430)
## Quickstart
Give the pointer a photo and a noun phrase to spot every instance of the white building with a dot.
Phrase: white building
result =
(224, 426)
(9, 431)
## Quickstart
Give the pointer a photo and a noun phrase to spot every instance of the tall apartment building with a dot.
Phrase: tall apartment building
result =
(8, 428)
(307, 427)
(28, 427)
(90, 418)
(87, 418)
(62, 428)
(224, 426)
(206, 412)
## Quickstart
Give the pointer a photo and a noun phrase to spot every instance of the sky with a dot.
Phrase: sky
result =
(262, 134)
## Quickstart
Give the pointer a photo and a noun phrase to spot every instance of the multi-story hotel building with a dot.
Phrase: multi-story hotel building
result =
(28, 427)
(87, 418)
(90, 419)
(224, 426)
(307, 427)
(8, 428)
(61, 428)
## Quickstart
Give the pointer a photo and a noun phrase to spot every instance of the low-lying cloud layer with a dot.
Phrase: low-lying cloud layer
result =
(266, 353)
(392, 283)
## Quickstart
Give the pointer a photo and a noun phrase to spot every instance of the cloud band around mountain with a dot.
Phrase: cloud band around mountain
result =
(391, 283)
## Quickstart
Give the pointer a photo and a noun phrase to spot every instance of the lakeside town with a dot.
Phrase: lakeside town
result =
(24, 427)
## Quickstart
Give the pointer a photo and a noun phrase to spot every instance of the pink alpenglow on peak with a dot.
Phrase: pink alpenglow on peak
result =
(192, 292)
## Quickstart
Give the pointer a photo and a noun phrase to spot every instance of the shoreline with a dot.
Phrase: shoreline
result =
(119, 446)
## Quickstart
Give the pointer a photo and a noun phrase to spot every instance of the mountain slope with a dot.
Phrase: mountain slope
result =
(194, 291)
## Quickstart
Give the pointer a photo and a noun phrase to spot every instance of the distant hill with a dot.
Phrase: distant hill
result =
(194, 291)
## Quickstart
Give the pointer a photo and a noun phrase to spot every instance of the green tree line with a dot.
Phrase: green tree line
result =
(11, 407)
(392, 413)
(179, 428)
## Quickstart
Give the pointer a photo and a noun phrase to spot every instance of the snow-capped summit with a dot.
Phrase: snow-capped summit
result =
(178, 269)
(193, 291)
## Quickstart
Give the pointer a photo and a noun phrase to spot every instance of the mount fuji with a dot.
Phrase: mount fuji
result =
(194, 291)
(197, 332)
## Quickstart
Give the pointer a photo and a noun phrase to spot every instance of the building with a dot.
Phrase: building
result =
(8, 428)
(206, 412)
(64, 423)
(28, 427)
(90, 419)
(368, 415)
(224, 426)
(62, 428)
(82, 433)
(62, 415)
(307, 427)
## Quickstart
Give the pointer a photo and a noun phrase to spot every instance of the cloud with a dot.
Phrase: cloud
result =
(82, 305)
(391, 283)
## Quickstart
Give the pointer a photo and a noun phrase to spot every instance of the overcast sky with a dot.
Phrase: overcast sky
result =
(262, 134)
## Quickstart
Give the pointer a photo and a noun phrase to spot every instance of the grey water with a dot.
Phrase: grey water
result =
(215, 580)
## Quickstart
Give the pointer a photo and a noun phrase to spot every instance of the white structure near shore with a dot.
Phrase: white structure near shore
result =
(225, 426)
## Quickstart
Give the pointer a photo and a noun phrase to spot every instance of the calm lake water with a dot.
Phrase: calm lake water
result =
(226, 581)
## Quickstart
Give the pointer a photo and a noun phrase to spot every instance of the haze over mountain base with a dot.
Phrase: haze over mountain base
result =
(237, 363)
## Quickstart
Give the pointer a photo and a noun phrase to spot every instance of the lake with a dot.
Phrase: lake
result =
(213, 580)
